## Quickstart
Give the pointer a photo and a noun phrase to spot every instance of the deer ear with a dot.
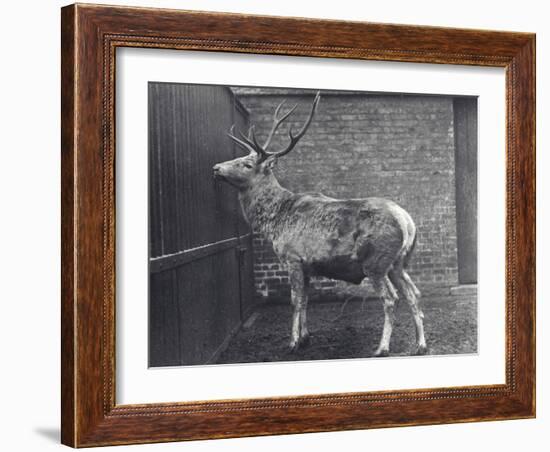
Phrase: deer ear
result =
(269, 163)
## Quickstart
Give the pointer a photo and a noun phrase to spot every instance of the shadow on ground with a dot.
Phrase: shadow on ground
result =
(353, 330)
(52, 434)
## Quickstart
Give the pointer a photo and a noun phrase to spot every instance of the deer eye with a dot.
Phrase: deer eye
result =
(248, 165)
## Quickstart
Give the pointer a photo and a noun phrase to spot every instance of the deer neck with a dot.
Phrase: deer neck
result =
(264, 202)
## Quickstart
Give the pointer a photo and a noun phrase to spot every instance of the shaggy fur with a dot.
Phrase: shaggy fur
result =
(315, 235)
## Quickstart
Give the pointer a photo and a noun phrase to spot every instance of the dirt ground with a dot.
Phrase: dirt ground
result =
(353, 330)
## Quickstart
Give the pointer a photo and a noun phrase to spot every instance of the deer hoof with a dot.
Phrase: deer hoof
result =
(304, 340)
(381, 353)
(300, 343)
(421, 350)
(294, 347)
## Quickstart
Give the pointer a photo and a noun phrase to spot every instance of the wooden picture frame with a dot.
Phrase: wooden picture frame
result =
(90, 36)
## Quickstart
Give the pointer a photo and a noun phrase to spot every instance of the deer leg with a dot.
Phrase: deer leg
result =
(410, 293)
(304, 333)
(298, 281)
(388, 294)
(410, 283)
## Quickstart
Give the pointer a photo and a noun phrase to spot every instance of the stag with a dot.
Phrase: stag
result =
(315, 235)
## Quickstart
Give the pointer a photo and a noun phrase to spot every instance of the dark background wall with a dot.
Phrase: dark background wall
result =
(401, 147)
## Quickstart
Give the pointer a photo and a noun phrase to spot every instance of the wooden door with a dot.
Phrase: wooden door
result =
(465, 132)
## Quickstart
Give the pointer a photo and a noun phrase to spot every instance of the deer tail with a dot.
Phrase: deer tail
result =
(409, 253)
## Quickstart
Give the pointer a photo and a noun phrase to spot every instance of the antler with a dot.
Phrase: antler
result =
(246, 142)
(250, 142)
(277, 122)
(294, 139)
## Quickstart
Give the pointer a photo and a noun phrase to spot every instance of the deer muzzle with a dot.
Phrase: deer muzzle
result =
(216, 171)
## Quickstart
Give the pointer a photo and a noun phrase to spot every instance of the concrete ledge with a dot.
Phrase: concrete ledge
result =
(464, 289)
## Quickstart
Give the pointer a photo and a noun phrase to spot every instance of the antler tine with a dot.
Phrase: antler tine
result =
(255, 140)
(240, 142)
(245, 138)
(295, 138)
(251, 131)
(277, 122)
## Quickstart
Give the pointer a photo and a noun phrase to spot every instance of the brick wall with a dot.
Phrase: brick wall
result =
(393, 146)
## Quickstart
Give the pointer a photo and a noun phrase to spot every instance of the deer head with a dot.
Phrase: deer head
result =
(244, 171)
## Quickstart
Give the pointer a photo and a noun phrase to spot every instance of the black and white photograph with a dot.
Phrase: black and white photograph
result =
(291, 224)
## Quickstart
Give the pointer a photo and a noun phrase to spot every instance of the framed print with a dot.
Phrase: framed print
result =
(281, 225)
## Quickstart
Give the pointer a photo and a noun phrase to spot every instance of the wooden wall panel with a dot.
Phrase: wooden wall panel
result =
(189, 210)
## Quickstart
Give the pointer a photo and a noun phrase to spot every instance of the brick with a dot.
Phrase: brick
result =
(365, 145)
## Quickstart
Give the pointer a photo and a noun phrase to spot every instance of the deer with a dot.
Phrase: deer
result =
(317, 235)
